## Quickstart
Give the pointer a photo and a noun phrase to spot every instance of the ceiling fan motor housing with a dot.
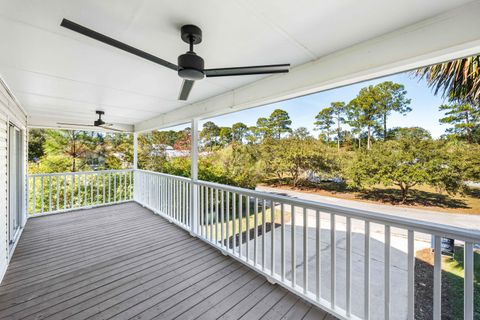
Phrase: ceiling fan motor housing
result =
(190, 66)
(99, 121)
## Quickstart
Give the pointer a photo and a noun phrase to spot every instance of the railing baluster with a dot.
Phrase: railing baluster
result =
(366, 276)
(348, 267)
(202, 210)
(49, 193)
(85, 189)
(333, 260)
(98, 188)
(234, 222)
(103, 188)
(228, 221)
(272, 233)
(387, 273)
(411, 275)
(282, 241)
(114, 187)
(64, 192)
(293, 251)
(79, 181)
(34, 196)
(468, 281)
(43, 194)
(318, 248)
(247, 232)
(255, 234)
(216, 216)
(222, 224)
(437, 278)
(124, 186)
(72, 192)
(264, 235)
(91, 190)
(211, 215)
(57, 192)
(240, 227)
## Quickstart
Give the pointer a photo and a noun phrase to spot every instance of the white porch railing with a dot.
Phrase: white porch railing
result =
(165, 194)
(340, 259)
(58, 192)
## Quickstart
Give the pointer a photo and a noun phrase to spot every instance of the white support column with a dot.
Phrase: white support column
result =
(194, 176)
(135, 163)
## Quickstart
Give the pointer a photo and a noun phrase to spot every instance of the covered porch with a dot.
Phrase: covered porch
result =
(139, 244)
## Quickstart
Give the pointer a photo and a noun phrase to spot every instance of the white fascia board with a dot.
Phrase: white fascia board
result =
(451, 35)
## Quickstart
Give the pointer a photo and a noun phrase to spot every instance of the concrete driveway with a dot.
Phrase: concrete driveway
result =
(467, 221)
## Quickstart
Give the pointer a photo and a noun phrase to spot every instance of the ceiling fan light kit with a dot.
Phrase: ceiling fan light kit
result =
(190, 66)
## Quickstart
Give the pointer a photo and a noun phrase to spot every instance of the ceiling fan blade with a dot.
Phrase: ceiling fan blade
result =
(185, 90)
(242, 71)
(108, 127)
(75, 124)
(115, 43)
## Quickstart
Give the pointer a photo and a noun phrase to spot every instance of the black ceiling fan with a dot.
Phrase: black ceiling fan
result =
(97, 123)
(191, 67)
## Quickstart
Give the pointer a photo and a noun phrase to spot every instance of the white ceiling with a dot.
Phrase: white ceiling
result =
(62, 76)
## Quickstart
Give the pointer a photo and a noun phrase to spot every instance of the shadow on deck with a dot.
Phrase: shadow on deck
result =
(122, 262)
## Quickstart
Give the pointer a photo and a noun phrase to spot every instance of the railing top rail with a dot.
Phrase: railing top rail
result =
(165, 175)
(371, 216)
(77, 173)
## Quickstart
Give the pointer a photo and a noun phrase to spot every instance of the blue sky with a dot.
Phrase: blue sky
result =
(302, 110)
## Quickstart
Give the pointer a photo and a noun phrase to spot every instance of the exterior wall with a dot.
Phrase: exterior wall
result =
(10, 112)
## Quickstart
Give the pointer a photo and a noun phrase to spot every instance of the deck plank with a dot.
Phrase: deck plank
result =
(121, 262)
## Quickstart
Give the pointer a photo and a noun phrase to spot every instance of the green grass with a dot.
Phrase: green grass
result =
(455, 274)
(241, 224)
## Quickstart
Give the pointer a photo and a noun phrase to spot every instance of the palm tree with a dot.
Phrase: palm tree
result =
(457, 79)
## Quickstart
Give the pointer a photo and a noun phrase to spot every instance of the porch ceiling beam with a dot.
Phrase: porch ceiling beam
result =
(451, 35)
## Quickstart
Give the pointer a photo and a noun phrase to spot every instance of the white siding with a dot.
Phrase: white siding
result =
(10, 112)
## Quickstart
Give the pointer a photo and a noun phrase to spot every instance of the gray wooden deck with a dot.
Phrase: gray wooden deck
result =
(122, 262)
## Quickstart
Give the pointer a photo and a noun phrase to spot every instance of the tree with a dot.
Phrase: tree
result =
(303, 155)
(168, 137)
(363, 112)
(301, 133)
(338, 113)
(225, 136)
(391, 97)
(71, 143)
(463, 117)
(184, 139)
(210, 134)
(279, 123)
(324, 121)
(239, 132)
(407, 162)
(36, 139)
(457, 79)
(263, 129)
(398, 133)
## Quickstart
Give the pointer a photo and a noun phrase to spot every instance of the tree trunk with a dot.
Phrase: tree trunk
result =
(404, 192)
(469, 130)
(338, 134)
(384, 127)
(368, 139)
